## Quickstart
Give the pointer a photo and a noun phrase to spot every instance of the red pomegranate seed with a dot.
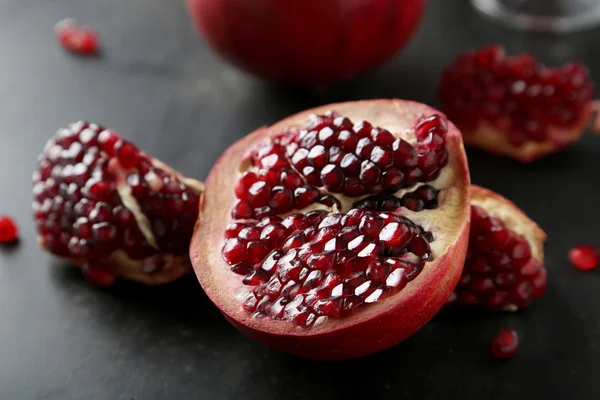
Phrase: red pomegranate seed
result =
(98, 276)
(505, 344)
(75, 38)
(584, 257)
(8, 230)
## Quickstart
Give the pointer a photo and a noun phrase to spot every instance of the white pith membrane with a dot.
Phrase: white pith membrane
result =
(514, 219)
(118, 262)
(446, 222)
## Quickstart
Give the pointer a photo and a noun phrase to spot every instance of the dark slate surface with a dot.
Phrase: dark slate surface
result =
(159, 86)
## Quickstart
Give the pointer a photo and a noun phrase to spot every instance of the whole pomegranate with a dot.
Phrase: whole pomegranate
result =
(339, 231)
(308, 42)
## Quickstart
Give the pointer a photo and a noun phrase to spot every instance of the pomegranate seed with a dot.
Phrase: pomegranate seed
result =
(128, 155)
(505, 344)
(8, 230)
(77, 39)
(584, 257)
(98, 276)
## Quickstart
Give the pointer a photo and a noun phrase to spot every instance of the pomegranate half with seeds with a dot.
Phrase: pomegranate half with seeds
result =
(516, 106)
(504, 269)
(107, 206)
(339, 231)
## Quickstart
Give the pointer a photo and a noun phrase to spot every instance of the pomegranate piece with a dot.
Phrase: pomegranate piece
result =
(99, 199)
(8, 230)
(516, 106)
(585, 257)
(324, 41)
(505, 344)
(346, 264)
(504, 265)
(75, 38)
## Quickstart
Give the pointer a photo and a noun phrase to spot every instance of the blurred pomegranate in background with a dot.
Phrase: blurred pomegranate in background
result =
(309, 42)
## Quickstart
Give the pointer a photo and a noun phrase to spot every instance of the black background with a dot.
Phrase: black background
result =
(158, 85)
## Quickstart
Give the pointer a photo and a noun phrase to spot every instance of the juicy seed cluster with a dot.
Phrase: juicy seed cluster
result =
(309, 265)
(422, 198)
(82, 179)
(334, 155)
(319, 265)
(516, 95)
(500, 272)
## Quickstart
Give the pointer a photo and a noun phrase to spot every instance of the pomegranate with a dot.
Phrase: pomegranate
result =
(8, 230)
(515, 106)
(98, 199)
(307, 43)
(505, 344)
(585, 257)
(75, 38)
(339, 231)
(504, 266)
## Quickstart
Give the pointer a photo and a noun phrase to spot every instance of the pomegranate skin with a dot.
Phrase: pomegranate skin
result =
(375, 328)
(306, 43)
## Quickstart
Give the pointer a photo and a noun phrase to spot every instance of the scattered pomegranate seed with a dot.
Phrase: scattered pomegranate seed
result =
(505, 344)
(8, 230)
(98, 276)
(584, 257)
(75, 38)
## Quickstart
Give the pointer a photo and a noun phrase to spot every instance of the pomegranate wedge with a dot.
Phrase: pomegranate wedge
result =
(337, 232)
(504, 269)
(516, 106)
(103, 204)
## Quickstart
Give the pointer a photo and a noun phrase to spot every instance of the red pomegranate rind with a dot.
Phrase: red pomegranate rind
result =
(515, 106)
(397, 316)
(504, 265)
(93, 202)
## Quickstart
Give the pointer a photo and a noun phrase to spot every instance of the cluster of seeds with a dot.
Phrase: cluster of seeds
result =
(307, 267)
(338, 156)
(422, 198)
(516, 94)
(316, 265)
(79, 211)
(499, 271)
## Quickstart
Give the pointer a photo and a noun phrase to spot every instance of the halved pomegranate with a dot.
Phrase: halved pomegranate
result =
(516, 106)
(504, 266)
(339, 231)
(98, 199)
